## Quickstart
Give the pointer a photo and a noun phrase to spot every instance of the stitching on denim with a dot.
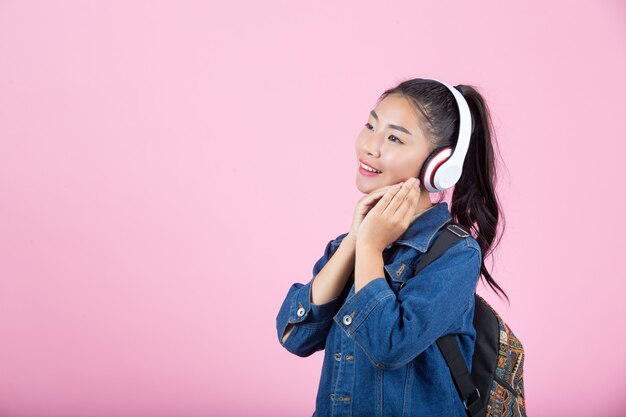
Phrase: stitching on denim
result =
(406, 358)
(382, 396)
(297, 299)
(292, 306)
(370, 304)
(470, 243)
(357, 340)
(406, 404)
(378, 390)
(369, 307)
(423, 246)
(332, 404)
(411, 356)
(310, 294)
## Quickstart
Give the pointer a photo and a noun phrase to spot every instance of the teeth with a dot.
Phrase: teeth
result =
(368, 168)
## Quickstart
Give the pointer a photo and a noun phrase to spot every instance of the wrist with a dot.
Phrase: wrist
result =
(369, 247)
(350, 239)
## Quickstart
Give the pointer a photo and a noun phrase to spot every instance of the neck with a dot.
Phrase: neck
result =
(424, 205)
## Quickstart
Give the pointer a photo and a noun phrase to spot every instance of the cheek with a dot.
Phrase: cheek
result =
(402, 166)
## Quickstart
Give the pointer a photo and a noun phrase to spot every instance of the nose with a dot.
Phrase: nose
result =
(371, 144)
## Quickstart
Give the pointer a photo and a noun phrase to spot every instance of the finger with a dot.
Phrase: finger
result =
(399, 198)
(407, 206)
(375, 195)
(387, 197)
(381, 190)
(416, 190)
(415, 194)
(371, 201)
(407, 209)
(410, 201)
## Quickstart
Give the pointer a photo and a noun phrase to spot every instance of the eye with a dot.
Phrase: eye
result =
(370, 127)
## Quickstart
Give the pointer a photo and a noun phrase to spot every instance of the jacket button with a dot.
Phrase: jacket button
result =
(347, 320)
(338, 357)
(300, 312)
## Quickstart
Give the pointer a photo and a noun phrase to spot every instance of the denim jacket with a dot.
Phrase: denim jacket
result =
(380, 354)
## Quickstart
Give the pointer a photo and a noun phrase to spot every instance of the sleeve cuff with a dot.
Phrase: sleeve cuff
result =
(356, 308)
(304, 311)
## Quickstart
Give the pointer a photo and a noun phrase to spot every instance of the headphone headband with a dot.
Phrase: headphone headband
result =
(443, 168)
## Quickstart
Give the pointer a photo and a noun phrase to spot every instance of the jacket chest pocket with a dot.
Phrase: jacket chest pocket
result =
(397, 273)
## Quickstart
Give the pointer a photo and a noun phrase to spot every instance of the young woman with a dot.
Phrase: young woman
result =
(376, 320)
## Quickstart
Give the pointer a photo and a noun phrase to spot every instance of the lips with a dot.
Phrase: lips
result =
(369, 165)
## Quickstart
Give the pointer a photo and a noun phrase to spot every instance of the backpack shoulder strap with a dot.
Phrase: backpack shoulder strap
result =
(470, 395)
(447, 343)
(442, 243)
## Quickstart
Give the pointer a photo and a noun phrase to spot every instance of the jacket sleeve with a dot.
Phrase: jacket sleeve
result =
(392, 330)
(311, 322)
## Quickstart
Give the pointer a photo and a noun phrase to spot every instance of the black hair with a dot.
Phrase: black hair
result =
(475, 204)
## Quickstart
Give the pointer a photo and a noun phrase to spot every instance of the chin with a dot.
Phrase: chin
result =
(365, 189)
(366, 186)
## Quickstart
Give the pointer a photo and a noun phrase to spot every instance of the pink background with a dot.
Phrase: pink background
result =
(169, 169)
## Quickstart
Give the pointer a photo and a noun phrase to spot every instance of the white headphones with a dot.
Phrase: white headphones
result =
(442, 169)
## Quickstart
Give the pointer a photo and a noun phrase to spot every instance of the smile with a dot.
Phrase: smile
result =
(369, 168)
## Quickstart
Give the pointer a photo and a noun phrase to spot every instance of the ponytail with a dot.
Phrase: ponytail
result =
(475, 204)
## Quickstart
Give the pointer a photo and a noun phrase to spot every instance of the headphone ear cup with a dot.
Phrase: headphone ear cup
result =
(427, 162)
(425, 165)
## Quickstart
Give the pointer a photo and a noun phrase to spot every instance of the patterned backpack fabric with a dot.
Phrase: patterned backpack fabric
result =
(506, 393)
(495, 387)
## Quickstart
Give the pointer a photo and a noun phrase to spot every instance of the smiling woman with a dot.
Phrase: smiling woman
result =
(376, 320)
(392, 143)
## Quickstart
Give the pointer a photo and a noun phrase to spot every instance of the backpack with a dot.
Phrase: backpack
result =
(495, 386)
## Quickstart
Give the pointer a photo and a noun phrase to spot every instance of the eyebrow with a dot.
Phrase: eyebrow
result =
(400, 128)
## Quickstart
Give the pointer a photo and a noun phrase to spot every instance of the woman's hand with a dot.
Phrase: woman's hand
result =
(363, 207)
(391, 216)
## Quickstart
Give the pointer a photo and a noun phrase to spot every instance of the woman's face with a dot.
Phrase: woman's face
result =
(392, 141)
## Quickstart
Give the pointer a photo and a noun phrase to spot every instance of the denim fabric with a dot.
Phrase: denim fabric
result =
(380, 354)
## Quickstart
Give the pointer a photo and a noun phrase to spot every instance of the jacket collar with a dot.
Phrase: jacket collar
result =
(422, 230)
